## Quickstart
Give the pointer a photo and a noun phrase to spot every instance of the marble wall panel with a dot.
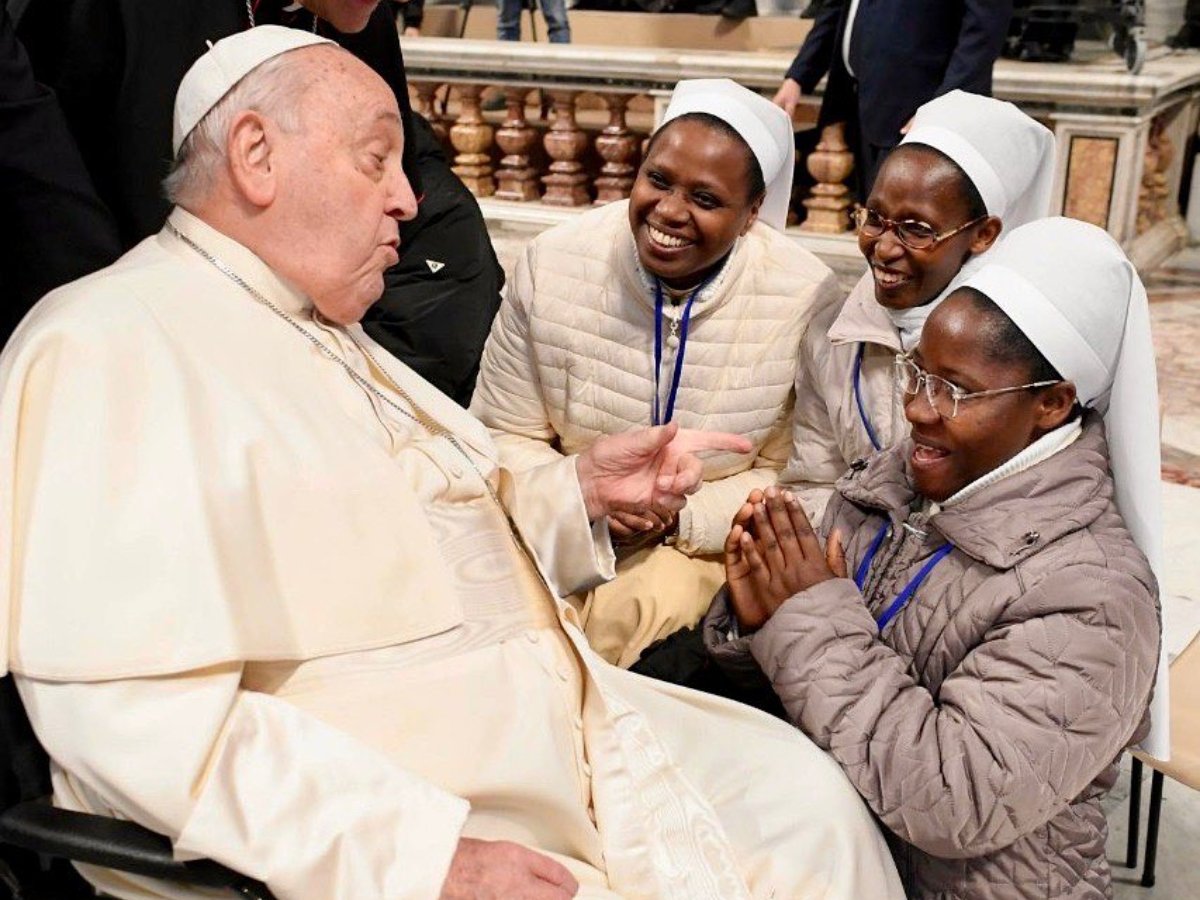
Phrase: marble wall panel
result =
(1091, 169)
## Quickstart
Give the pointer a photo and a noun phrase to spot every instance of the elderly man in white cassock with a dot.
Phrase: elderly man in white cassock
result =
(269, 593)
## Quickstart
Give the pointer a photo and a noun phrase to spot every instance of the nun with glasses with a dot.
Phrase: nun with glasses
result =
(974, 634)
(969, 168)
(685, 304)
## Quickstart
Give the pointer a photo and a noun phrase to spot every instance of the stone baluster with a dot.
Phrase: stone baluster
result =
(565, 143)
(618, 147)
(517, 138)
(472, 139)
(830, 202)
(426, 105)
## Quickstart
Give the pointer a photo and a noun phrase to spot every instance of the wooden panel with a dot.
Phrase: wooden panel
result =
(1091, 169)
(679, 31)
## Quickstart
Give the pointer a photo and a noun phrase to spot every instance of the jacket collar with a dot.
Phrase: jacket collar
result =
(863, 320)
(240, 259)
(713, 295)
(1008, 521)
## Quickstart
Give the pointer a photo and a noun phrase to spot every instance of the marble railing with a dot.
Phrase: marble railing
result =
(576, 117)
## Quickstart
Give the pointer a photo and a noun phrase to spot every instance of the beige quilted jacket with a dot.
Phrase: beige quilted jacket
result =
(827, 428)
(983, 726)
(571, 356)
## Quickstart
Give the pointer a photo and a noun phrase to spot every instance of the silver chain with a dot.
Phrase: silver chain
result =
(418, 415)
(250, 16)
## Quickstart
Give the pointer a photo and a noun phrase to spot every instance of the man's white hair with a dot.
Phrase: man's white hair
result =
(274, 89)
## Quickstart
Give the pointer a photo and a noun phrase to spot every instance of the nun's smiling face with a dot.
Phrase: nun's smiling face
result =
(690, 202)
(951, 452)
(918, 184)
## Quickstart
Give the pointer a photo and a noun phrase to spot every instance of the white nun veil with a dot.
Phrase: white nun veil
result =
(762, 125)
(1008, 157)
(1072, 291)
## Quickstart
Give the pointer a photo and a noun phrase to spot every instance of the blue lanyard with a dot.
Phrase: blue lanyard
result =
(860, 575)
(862, 411)
(658, 349)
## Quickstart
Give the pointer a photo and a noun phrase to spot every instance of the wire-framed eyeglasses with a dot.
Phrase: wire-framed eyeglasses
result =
(912, 233)
(945, 396)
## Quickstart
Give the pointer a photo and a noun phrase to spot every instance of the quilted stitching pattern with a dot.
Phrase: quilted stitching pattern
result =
(570, 356)
(984, 725)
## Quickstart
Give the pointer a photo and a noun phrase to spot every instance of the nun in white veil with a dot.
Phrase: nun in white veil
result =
(1091, 320)
(978, 640)
(970, 168)
(683, 304)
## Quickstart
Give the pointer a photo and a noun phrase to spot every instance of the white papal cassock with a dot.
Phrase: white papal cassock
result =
(258, 609)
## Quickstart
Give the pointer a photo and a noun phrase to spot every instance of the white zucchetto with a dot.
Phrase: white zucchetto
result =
(226, 63)
(1073, 292)
(764, 127)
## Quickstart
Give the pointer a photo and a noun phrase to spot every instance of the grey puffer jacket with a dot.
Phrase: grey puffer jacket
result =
(983, 726)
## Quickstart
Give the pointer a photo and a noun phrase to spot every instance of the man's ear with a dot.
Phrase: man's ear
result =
(251, 163)
(985, 234)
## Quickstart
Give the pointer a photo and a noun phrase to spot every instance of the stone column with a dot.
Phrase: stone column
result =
(426, 105)
(472, 139)
(517, 138)
(618, 147)
(830, 202)
(565, 143)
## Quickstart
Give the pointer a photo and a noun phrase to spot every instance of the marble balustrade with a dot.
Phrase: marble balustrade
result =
(576, 119)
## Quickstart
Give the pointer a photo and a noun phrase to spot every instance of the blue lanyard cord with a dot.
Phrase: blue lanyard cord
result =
(860, 575)
(677, 374)
(858, 398)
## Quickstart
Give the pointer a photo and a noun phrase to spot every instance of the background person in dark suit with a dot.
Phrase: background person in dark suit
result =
(887, 57)
(58, 230)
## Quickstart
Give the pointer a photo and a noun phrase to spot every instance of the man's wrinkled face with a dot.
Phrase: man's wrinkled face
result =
(347, 16)
(342, 191)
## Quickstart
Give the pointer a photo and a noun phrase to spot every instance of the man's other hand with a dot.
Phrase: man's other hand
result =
(788, 97)
(648, 469)
(500, 870)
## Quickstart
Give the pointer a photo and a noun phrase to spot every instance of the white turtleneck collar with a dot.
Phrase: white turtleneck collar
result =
(1041, 449)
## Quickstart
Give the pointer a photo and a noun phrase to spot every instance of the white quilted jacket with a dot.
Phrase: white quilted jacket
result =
(571, 356)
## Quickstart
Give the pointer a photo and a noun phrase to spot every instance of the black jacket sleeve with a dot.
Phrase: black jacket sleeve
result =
(984, 28)
(816, 53)
(58, 228)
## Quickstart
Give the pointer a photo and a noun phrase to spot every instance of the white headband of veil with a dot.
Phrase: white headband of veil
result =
(1091, 320)
(1007, 155)
(762, 125)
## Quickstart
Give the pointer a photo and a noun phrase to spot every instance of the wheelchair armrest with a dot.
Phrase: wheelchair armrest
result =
(114, 844)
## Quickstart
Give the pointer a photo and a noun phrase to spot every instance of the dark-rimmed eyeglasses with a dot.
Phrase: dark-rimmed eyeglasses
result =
(912, 233)
(944, 396)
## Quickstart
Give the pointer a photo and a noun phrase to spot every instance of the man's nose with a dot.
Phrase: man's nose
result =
(401, 201)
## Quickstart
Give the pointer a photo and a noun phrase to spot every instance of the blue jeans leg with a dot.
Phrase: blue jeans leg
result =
(508, 21)
(555, 13)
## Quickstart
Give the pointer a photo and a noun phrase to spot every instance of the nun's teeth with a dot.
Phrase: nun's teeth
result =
(666, 240)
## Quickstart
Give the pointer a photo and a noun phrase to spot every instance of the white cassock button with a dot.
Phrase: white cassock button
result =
(563, 674)
(531, 636)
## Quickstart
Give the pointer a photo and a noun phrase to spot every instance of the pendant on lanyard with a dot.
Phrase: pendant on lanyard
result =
(860, 575)
(858, 398)
(677, 373)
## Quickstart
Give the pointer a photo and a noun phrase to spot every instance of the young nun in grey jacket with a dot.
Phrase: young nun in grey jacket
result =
(977, 640)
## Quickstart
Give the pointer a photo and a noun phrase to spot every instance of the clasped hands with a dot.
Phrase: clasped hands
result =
(640, 480)
(772, 553)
